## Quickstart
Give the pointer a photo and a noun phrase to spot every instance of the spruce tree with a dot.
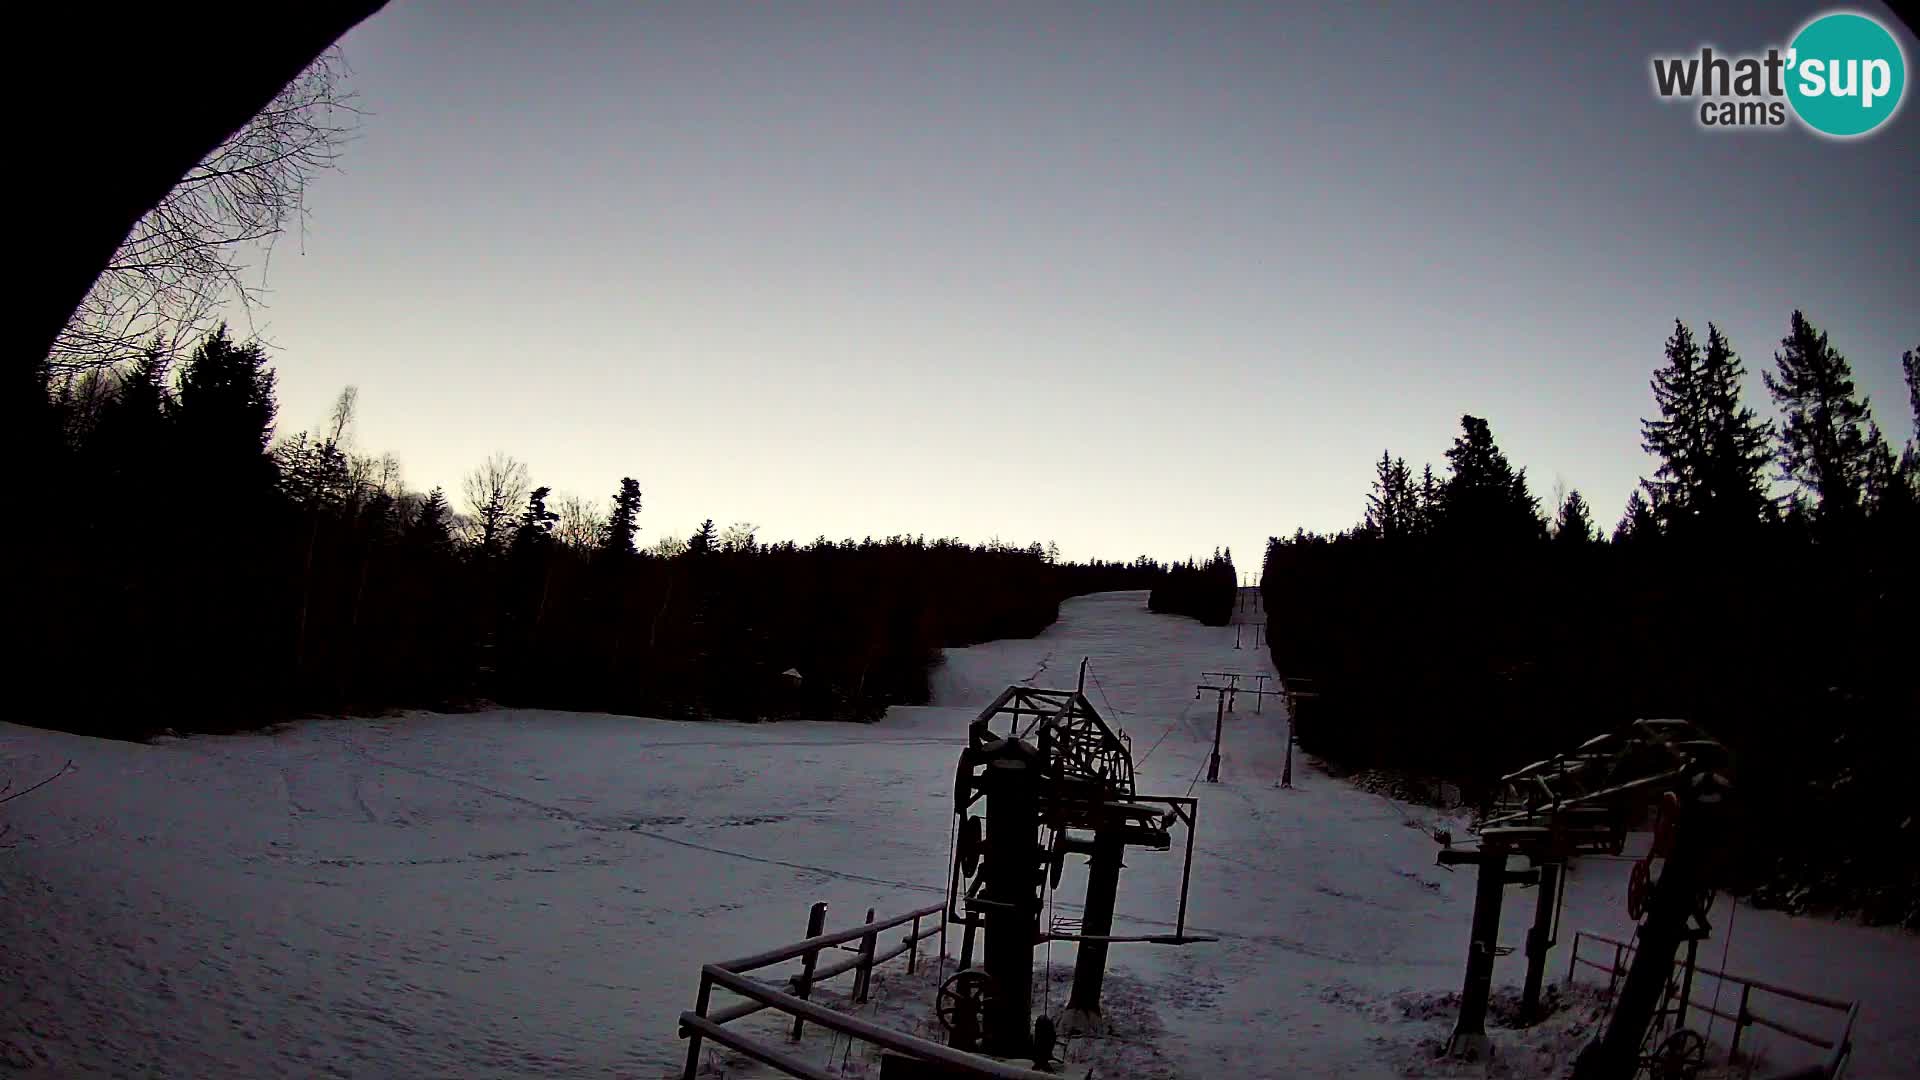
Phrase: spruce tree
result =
(1574, 523)
(1678, 437)
(1639, 524)
(704, 540)
(430, 530)
(536, 522)
(1910, 457)
(1823, 435)
(1735, 445)
(1393, 506)
(623, 521)
(1426, 502)
(1485, 500)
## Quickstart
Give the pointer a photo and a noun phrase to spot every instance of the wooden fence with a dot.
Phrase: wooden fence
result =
(704, 1022)
(1838, 1046)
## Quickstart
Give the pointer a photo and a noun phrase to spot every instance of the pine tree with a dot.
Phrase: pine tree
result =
(226, 393)
(623, 521)
(704, 540)
(1426, 503)
(224, 412)
(1889, 495)
(1823, 438)
(1574, 522)
(1485, 500)
(1393, 507)
(430, 529)
(1639, 524)
(536, 522)
(1678, 437)
(1735, 445)
(1910, 457)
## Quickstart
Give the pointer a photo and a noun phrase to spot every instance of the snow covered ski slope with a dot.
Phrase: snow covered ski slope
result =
(522, 893)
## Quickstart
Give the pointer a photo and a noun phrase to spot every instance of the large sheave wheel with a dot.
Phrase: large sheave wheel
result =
(962, 1005)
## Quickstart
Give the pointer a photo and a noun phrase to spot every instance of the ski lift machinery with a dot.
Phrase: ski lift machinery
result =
(1054, 767)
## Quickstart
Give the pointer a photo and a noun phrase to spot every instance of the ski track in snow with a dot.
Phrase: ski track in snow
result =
(525, 893)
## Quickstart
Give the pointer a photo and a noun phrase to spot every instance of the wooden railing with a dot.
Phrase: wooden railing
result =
(1838, 1047)
(703, 1022)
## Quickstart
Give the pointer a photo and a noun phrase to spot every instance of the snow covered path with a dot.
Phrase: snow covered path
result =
(530, 893)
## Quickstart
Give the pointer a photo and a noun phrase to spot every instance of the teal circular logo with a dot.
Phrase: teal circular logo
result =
(1845, 74)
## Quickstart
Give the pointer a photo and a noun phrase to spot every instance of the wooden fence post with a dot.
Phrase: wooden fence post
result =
(693, 1037)
(1741, 1020)
(913, 948)
(803, 985)
(863, 975)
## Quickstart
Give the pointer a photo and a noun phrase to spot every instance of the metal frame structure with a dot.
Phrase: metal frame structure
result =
(1582, 801)
(1055, 764)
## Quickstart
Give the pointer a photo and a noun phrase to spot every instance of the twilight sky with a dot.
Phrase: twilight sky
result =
(1134, 278)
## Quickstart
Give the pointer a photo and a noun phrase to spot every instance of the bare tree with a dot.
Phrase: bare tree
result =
(187, 258)
(582, 526)
(494, 493)
(738, 536)
(668, 546)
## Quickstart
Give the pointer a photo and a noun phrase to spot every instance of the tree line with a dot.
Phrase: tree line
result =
(1761, 581)
(191, 571)
(1204, 591)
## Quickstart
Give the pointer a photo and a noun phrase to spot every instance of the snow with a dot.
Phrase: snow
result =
(518, 893)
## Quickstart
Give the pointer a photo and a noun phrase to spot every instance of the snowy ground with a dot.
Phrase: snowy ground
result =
(531, 893)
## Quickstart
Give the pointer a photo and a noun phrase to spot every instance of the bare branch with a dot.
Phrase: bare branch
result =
(188, 257)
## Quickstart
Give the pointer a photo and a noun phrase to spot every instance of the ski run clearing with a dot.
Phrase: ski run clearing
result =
(522, 893)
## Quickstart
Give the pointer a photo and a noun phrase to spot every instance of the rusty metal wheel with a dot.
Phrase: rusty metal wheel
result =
(1681, 1057)
(962, 1004)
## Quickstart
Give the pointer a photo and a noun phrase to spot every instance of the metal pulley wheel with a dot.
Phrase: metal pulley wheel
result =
(1681, 1057)
(961, 1006)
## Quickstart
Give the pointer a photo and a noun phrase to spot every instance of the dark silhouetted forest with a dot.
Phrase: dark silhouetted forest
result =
(1463, 630)
(195, 572)
(1204, 591)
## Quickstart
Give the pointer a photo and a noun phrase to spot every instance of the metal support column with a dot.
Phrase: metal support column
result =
(1103, 884)
(1539, 940)
(1011, 873)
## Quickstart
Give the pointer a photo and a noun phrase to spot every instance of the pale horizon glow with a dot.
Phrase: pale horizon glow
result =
(1133, 279)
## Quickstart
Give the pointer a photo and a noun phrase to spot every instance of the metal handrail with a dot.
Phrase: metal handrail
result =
(701, 1022)
(812, 944)
(1839, 1048)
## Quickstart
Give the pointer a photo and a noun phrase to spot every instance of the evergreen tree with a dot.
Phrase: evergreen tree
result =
(704, 540)
(623, 521)
(1890, 497)
(226, 394)
(1678, 437)
(1735, 444)
(1393, 507)
(1485, 500)
(1639, 524)
(536, 522)
(225, 415)
(1574, 522)
(1823, 437)
(1910, 457)
(430, 529)
(1426, 503)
